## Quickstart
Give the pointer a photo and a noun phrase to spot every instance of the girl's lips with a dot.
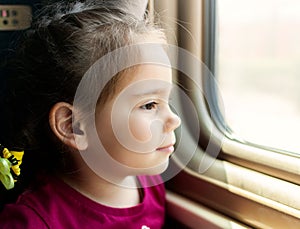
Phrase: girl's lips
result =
(167, 149)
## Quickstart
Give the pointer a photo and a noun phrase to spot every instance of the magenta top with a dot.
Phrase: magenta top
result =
(56, 205)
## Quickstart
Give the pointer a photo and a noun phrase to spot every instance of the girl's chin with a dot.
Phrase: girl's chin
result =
(156, 170)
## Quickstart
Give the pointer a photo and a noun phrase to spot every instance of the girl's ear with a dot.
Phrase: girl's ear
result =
(60, 120)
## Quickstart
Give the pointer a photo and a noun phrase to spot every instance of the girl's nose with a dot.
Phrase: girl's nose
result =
(173, 121)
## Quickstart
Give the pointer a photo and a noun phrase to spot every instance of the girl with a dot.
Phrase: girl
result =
(63, 182)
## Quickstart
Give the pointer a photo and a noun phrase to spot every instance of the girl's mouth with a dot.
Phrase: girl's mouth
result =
(167, 149)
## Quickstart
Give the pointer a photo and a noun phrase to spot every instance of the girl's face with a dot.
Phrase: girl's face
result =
(136, 126)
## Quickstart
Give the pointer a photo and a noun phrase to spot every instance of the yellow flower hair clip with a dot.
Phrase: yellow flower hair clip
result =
(10, 162)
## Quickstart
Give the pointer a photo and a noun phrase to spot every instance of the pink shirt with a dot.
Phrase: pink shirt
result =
(56, 205)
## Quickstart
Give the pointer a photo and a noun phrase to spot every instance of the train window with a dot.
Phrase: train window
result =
(250, 47)
(257, 56)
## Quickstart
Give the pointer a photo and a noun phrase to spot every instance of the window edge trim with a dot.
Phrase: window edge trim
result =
(233, 201)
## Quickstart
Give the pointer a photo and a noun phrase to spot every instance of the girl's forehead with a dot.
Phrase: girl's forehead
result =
(147, 75)
(145, 79)
(152, 71)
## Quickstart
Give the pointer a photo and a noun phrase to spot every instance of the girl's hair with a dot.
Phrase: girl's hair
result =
(64, 41)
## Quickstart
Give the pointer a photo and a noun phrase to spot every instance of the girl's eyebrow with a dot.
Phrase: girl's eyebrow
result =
(154, 91)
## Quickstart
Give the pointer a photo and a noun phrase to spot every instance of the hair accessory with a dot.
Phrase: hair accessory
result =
(10, 162)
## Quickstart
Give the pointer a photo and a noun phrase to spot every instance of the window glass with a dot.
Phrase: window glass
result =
(258, 70)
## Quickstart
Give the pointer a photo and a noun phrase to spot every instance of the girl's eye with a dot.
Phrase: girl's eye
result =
(149, 106)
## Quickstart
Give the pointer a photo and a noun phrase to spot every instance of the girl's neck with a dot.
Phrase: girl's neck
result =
(103, 191)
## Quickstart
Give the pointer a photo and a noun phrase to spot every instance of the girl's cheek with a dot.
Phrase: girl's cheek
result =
(140, 129)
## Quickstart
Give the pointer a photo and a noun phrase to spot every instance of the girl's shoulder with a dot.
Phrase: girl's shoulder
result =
(28, 210)
(20, 216)
(34, 207)
(56, 205)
